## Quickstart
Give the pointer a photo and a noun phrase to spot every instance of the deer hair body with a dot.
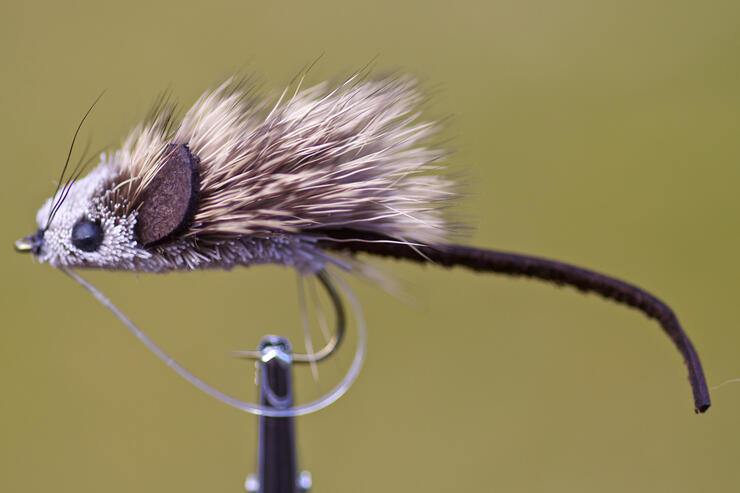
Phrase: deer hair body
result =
(332, 169)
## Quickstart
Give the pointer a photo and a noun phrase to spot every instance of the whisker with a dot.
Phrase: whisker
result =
(69, 153)
(76, 173)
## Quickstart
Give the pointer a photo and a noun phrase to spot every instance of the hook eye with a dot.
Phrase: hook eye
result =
(30, 243)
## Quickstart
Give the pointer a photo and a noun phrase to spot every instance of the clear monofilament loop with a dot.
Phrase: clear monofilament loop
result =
(313, 406)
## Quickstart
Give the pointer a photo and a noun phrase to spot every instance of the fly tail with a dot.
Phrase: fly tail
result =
(518, 265)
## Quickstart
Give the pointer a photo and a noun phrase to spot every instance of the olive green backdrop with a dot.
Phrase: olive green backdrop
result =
(600, 133)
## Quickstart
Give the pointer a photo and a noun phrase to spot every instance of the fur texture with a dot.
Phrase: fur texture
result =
(273, 177)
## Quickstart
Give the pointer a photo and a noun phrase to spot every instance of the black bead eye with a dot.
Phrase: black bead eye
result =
(87, 236)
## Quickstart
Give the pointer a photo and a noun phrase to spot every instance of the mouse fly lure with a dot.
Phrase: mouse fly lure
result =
(304, 180)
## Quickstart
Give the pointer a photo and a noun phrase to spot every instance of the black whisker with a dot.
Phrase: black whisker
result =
(65, 189)
(82, 157)
(69, 153)
(74, 176)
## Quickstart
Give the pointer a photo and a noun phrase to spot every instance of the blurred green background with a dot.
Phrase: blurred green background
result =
(599, 133)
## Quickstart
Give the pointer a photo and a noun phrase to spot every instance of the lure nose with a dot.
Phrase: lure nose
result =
(23, 245)
(31, 243)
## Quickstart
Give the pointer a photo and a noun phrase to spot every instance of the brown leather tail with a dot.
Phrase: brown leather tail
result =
(537, 268)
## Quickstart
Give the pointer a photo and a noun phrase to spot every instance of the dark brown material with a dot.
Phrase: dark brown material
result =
(170, 200)
(539, 268)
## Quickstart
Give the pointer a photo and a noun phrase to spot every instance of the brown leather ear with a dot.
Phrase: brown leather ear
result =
(169, 201)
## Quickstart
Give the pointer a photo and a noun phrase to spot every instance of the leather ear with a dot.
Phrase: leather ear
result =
(169, 201)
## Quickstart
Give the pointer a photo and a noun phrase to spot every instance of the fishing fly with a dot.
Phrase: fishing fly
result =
(308, 180)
